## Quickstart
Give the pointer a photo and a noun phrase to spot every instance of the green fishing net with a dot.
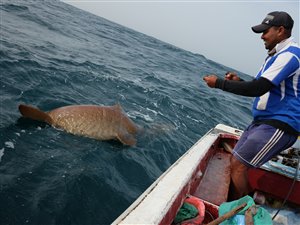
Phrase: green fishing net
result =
(186, 212)
(262, 217)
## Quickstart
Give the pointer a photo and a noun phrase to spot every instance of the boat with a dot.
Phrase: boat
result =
(204, 172)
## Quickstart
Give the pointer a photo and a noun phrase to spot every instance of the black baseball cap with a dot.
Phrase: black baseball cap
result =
(274, 19)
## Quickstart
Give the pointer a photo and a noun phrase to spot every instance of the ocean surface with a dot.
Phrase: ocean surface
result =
(54, 55)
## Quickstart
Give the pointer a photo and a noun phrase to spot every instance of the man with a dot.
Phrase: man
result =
(276, 107)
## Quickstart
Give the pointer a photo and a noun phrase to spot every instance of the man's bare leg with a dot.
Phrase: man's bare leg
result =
(239, 179)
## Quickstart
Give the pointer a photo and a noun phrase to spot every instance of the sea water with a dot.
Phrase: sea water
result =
(53, 55)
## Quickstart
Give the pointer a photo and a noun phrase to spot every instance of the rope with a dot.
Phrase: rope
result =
(290, 191)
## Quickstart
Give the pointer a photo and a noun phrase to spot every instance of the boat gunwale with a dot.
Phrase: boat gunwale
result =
(140, 210)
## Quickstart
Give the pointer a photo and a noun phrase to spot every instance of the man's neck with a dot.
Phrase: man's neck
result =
(279, 46)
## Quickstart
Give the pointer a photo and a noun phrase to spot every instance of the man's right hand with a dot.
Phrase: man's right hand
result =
(232, 76)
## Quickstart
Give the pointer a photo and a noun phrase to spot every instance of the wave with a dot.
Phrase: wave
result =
(53, 55)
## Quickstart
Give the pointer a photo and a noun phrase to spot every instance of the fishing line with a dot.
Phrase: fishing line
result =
(292, 187)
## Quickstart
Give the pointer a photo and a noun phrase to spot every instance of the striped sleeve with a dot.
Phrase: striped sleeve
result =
(285, 65)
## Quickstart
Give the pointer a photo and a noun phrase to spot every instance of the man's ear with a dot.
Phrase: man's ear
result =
(281, 31)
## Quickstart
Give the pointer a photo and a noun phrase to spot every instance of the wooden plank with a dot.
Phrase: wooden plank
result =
(214, 185)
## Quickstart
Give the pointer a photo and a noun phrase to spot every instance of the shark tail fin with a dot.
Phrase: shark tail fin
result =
(34, 113)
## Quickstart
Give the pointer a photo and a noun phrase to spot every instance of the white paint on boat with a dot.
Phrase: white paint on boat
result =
(154, 203)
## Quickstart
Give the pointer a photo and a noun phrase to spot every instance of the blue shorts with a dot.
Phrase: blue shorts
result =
(260, 142)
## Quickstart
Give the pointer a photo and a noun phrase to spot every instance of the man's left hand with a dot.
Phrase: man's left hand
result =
(210, 80)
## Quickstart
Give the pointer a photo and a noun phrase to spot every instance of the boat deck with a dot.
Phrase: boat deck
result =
(204, 172)
(215, 183)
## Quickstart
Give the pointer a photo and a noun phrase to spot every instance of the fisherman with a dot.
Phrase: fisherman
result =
(276, 107)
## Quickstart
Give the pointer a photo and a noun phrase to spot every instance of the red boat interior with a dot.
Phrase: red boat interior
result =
(214, 185)
(215, 182)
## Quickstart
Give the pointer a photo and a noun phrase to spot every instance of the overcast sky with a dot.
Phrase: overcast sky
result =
(219, 30)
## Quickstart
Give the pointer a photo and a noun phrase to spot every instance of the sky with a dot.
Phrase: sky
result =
(219, 30)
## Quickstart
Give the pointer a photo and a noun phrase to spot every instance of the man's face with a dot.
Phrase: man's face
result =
(272, 37)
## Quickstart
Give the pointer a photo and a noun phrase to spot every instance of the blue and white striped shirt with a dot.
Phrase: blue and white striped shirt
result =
(282, 102)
